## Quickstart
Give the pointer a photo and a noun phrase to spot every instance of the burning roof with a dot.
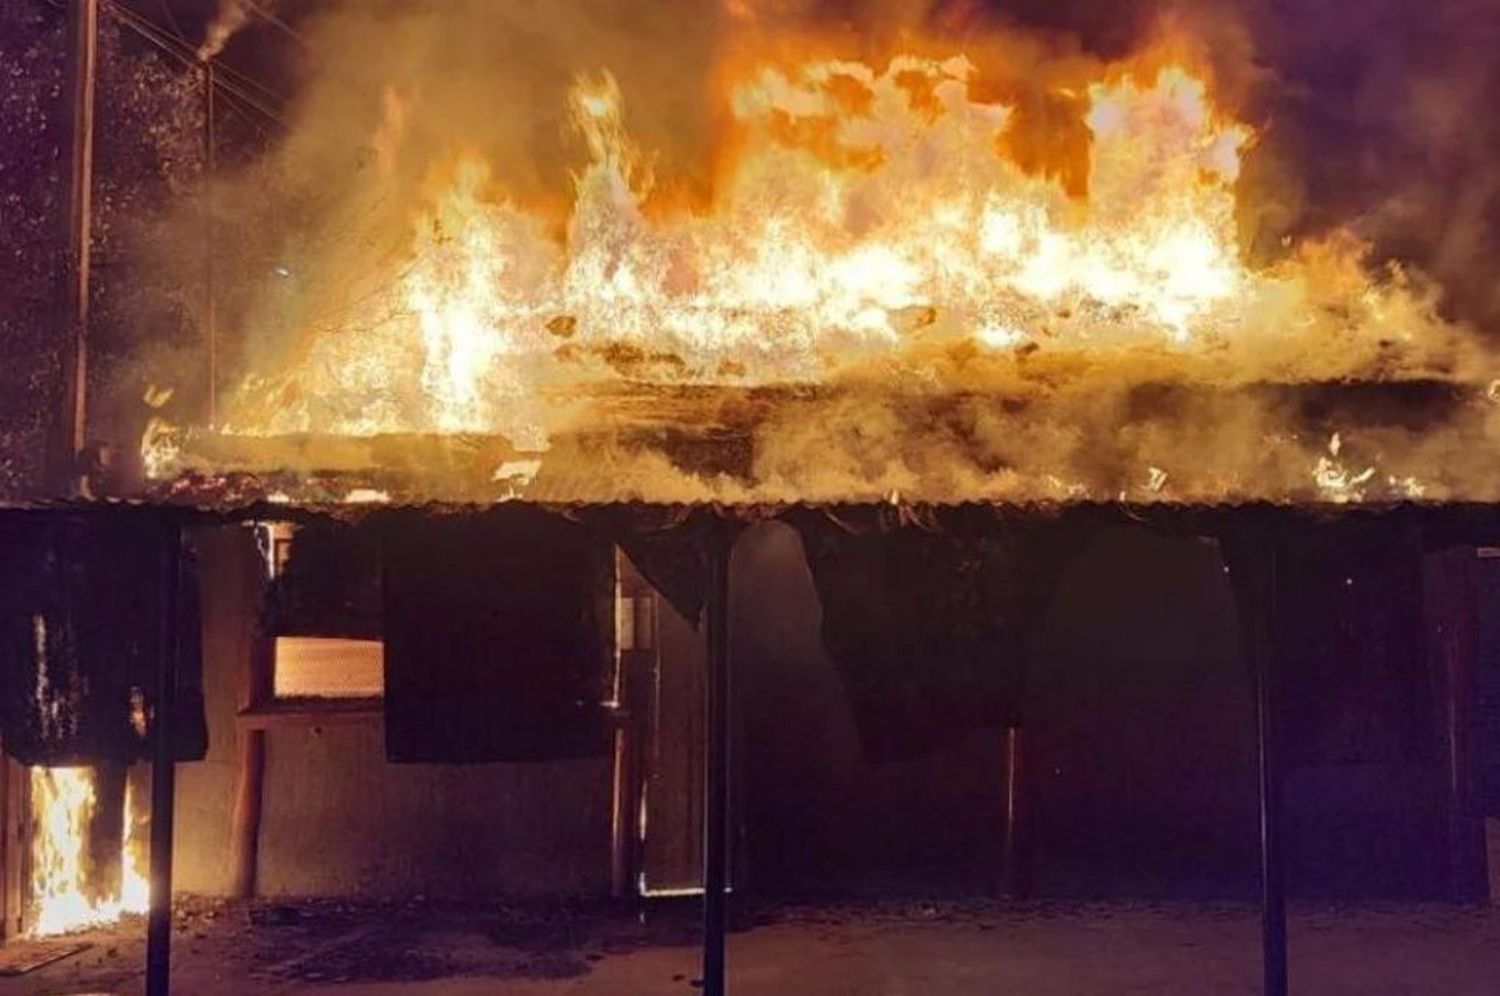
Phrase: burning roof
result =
(803, 266)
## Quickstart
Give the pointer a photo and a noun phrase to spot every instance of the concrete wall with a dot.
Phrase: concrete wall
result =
(340, 820)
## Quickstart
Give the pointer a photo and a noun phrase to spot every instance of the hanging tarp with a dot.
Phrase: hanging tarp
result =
(496, 637)
(329, 585)
(80, 638)
(927, 618)
(671, 546)
(1342, 603)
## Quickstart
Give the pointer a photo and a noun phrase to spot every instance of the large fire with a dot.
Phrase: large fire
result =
(63, 802)
(872, 226)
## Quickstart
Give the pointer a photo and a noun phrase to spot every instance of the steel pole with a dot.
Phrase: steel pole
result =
(163, 772)
(1263, 661)
(716, 782)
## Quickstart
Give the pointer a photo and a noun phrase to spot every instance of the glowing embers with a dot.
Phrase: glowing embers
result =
(68, 887)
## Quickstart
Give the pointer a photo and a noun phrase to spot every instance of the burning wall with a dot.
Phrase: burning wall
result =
(69, 889)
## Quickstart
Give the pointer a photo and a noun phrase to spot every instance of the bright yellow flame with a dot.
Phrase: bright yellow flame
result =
(161, 445)
(1340, 484)
(62, 801)
(863, 219)
(830, 226)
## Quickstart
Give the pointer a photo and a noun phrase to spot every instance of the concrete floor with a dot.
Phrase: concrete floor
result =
(895, 949)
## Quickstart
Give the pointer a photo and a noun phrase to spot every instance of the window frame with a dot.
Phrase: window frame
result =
(260, 707)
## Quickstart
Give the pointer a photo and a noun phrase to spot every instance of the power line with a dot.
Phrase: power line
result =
(166, 9)
(182, 39)
(186, 46)
(226, 80)
(259, 11)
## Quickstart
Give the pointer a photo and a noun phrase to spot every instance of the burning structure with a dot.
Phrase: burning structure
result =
(971, 297)
(927, 305)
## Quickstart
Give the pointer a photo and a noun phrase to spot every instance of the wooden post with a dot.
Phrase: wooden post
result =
(248, 799)
(17, 861)
(163, 771)
(249, 793)
(1012, 877)
(716, 783)
(83, 24)
(623, 773)
(620, 810)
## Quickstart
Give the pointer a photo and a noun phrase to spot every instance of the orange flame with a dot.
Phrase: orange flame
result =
(866, 215)
(63, 801)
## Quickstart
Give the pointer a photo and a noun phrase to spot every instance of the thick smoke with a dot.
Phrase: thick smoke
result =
(400, 89)
(1372, 117)
(230, 17)
(1369, 120)
(1383, 112)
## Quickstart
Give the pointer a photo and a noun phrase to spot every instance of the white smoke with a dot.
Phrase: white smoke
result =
(230, 17)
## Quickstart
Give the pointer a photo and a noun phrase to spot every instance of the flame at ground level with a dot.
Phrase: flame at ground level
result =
(63, 802)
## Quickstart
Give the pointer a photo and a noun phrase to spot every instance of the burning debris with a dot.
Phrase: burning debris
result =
(921, 294)
(904, 210)
(921, 270)
(66, 891)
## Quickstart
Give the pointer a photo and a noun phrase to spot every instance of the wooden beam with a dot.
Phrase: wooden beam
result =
(621, 865)
(248, 798)
(17, 861)
(1013, 877)
(360, 713)
(251, 724)
(622, 781)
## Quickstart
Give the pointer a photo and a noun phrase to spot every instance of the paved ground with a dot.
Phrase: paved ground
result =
(894, 949)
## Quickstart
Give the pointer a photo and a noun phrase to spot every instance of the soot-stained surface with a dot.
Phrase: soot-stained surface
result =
(871, 947)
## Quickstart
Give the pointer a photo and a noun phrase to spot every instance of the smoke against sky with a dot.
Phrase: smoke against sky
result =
(1372, 118)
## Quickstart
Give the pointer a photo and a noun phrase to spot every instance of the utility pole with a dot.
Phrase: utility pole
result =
(83, 34)
(210, 298)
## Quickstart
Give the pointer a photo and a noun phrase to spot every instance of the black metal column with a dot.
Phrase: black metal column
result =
(163, 773)
(716, 782)
(1258, 603)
